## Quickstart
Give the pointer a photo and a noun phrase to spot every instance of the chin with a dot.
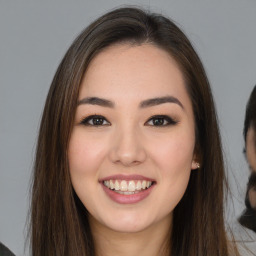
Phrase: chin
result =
(127, 223)
(127, 228)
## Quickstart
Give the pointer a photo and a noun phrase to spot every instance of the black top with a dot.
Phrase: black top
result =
(4, 251)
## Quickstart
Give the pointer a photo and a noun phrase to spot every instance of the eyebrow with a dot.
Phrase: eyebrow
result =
(144, 104)
(160, 100)
(96, 101)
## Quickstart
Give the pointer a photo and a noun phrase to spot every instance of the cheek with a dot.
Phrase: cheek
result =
(84, 154)
(175, 154)
(251, 156)
(176, 166)
(174, 159)
(252, 198)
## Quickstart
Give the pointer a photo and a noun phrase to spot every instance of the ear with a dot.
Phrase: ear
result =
(195, 165)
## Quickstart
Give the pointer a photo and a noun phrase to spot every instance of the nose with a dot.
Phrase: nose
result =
(127, 148)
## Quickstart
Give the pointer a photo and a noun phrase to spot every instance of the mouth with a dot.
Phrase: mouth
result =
(125, 189)
(128, 187)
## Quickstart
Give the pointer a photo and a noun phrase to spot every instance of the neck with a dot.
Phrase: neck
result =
(152, 241)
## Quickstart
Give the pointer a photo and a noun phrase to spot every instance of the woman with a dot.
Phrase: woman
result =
(129, 159)
(248, 218)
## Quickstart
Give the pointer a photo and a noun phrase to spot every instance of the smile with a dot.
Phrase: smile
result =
(125, 187)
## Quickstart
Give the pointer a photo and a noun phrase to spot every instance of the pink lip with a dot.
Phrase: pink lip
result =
(126, 177)
(127, 199)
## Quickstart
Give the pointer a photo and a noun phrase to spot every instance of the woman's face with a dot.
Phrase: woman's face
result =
(251, 158)
(132, 145)
(250, 148)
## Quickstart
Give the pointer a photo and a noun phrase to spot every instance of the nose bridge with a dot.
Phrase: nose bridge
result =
(127, 147)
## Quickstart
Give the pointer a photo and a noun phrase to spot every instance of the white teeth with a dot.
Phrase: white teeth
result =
(127, 192)
(123, 185)
(131, 186)
(127, 187)
(117, 187)
(143, 184)
(138, 185)
(112, 185)
(106, 183)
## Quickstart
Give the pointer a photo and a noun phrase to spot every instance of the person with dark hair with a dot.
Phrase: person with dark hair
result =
(248, 217)
(129, 158)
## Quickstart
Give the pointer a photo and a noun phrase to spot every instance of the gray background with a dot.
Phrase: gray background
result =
(34, 36)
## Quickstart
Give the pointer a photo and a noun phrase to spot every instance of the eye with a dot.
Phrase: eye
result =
(95, 120)
(161, 120)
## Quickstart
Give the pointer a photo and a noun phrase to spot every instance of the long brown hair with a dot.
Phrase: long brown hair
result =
(59, 223)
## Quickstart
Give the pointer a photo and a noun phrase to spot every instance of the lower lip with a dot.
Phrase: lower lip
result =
(127, 199)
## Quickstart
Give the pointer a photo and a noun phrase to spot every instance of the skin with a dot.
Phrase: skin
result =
(251, 158)
(128, 142)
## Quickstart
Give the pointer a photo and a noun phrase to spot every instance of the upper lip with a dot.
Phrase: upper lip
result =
(126, 177)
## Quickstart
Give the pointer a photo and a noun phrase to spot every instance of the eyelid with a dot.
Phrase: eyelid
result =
(85, 121)
(167, 119)
(170, 120)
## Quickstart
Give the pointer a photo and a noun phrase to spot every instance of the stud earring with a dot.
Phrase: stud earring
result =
(196, 165)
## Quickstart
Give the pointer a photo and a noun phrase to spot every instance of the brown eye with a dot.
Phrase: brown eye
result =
(160, 121)
(95, 120)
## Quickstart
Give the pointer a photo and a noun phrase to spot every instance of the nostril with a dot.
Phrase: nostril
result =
(127, 149)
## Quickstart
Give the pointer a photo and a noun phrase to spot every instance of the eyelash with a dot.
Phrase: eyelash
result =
(86, 121)
(165, 120)
(158, 121)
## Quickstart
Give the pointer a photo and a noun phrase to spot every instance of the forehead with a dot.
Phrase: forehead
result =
(126, 70)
